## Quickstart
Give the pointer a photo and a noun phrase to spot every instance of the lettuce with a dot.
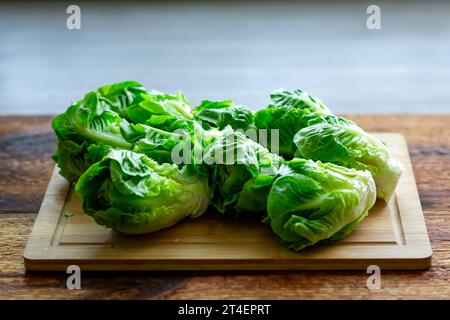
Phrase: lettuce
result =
(344, 143)
(241, 172)
(143, 160)
(119, 97)
(289, 112)
(308, 129)
(162, 110)
(122, 116)
(130, 193)
(87, 122)
(314, 201)
(156, 143)
(220, 114)
(73, 159)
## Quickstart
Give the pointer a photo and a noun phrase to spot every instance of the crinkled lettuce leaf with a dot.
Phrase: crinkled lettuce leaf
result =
(90, 120)
(344, 143)
(162, 110)
(298, 99)
(73, 159)
(133, 194)
(87, 122)
(219, 114)
(121, 96)
(289, 112)
(156, 143)
(241, 172)
(314, 201)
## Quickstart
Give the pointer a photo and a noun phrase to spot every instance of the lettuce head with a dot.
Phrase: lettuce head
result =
(343, 143)
(314, 201)
(132, 194)
(289, 112)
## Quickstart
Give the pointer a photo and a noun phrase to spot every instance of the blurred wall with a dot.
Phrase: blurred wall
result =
(228, 50)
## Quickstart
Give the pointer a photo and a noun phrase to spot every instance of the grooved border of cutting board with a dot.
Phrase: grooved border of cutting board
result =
(411, 248)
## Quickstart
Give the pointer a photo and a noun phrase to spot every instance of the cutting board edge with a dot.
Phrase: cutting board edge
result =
(143, 265)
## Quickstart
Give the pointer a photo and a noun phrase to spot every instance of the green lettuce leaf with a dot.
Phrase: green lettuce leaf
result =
(345, 144)
(73, 159)
(89, 119)
(298, 99)
(219, 114)
(87, 122)
(313, 201)
(130, 193)
(158, 144)
(289, 112)
(121, 96)
(241, 171)
(162, 110)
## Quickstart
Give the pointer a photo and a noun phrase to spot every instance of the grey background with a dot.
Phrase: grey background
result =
(229, 50)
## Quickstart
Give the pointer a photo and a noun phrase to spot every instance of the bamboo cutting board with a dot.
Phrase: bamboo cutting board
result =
(393, 236)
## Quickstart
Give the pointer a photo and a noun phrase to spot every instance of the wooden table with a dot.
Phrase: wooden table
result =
(26, 144)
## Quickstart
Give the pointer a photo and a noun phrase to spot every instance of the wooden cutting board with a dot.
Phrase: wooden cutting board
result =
(393, 236)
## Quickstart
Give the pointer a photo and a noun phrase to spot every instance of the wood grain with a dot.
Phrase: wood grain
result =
(26, 146)
(429, 148)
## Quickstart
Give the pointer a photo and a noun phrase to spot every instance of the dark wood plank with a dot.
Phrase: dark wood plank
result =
(429, 147)
(26, 145)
